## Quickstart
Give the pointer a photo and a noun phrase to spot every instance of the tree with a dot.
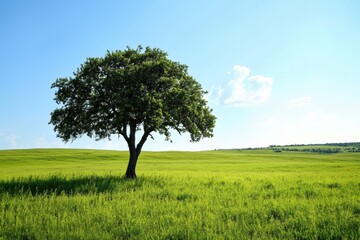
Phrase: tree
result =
(129, 91)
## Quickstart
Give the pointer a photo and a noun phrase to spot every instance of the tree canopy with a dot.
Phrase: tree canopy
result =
(129, 91)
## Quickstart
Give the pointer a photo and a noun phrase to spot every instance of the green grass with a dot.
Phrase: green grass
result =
(259, 194)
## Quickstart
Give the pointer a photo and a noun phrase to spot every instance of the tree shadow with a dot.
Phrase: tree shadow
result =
(60, 185)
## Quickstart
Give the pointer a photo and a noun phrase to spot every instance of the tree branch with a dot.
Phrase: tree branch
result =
(122, 131)
(143, 139)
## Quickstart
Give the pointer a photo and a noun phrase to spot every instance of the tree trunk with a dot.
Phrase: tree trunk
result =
(134, 150)
(130, 172)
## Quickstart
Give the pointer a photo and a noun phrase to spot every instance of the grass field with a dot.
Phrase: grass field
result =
(259, 194)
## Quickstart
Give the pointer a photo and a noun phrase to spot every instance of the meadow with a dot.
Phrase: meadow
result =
(229, 194)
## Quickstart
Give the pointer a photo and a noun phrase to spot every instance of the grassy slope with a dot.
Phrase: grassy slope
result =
(50, 161)
(214, 194)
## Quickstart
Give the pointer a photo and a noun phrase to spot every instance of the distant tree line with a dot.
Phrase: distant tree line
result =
(318, 148)
(353, 149)
(347, 144)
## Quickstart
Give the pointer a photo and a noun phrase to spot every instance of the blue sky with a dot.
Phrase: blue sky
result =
(277, 72)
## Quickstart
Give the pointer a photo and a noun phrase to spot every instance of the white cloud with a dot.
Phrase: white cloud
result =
(12, 139)
(40, 142)
(300, 102)
(243, 90)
